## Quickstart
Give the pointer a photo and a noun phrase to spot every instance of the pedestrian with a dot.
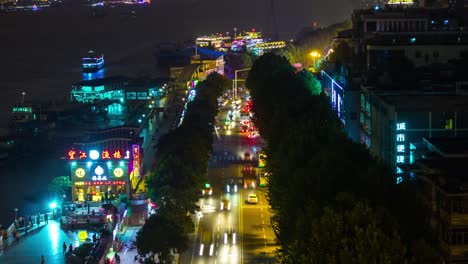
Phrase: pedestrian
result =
(42, 259)
(46, 218)
(64, 248)
(70, 248)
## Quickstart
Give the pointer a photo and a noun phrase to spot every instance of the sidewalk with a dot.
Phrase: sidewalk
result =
(47, 241)
(127, 252)
(10, 240)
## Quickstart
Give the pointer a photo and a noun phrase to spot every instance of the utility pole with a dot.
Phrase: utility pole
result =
(234, 84)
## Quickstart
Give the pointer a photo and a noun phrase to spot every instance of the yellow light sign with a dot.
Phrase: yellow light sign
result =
(80, 172)
(79, 183)
(118, 172)
(83, 235)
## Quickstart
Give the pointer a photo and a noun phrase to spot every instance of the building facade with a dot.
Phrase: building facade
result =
(444, 188)
(107, 164)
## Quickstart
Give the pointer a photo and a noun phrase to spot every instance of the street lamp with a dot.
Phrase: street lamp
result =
(22, 98)
(234, 84)
(16, 213)
(315, 55)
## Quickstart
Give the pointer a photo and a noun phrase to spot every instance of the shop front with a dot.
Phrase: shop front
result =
(100, 176)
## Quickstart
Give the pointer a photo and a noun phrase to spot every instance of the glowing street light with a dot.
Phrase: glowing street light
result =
(315, 54)
(53, 205)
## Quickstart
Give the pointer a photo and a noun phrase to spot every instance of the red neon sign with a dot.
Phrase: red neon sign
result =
(105, 183)
(117, 154)
(71, 154)
(83, 155)
(105, 154)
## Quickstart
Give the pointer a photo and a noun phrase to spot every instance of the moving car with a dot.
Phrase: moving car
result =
(252, 199)
(225, 205)
(207, 244)
(207, 189)
(231, 187)
(230, 237)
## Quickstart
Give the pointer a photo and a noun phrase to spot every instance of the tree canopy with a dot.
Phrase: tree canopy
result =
(180, 172)
(312, 163)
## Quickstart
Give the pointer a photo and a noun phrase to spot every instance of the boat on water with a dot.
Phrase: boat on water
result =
(92, 62)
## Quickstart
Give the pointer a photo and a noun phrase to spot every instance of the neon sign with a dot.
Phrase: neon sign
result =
(118, 172)
(94, 154)
(400, 143)
(99, 173)
(73, 154)
(117, 154)
(80, 172)
(136, 160)
(105, 183)
(83, 155)
(105, 154)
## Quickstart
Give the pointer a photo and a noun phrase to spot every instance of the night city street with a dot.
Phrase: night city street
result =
(247, 132)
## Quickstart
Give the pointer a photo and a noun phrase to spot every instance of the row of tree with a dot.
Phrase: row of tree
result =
(181, 169)
(332, 202)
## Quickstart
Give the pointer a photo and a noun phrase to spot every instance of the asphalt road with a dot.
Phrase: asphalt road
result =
(213, 241)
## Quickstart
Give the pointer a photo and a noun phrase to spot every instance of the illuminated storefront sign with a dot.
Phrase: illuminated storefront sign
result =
(118, 172)
(80, 172)
(93, 154)
(92, 183)
(73, 154)
(99, 172)
(88, 183)
(401, 149)
(136, 160)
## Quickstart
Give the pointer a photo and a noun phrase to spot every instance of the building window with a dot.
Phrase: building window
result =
(449, 123)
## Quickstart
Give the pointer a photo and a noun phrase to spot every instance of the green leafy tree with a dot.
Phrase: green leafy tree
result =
(60, 185)
(311, 161)
(163, 234)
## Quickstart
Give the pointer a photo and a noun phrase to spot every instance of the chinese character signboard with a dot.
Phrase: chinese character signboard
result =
(136, 160)
(401, 147)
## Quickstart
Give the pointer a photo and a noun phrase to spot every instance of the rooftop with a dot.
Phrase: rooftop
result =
(425, 102)
(448, 147)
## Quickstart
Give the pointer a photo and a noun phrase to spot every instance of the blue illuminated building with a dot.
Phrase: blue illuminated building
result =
(119, 89)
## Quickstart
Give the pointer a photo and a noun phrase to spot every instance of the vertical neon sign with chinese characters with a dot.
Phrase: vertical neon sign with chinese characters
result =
(400, 143)
(136, 160)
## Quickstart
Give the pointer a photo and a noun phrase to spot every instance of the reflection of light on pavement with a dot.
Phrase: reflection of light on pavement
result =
(229, 254)
(54, 236)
